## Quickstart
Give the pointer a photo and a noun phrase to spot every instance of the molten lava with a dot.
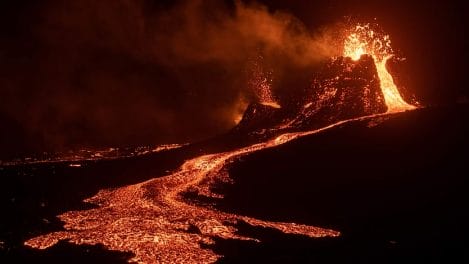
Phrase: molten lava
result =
(364, 40)
(153, 220)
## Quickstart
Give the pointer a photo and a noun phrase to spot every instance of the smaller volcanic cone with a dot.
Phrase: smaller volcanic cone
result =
(259, 116)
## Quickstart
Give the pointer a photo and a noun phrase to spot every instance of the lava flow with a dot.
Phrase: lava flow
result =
(153, 221)
(364, 40)
(157, 224)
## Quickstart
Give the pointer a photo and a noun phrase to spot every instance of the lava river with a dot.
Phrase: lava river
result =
(153, 221)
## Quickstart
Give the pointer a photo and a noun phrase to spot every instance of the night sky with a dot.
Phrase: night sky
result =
(89, 73)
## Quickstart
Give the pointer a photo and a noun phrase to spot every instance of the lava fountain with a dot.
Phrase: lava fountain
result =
(261, 83)
(364, 40)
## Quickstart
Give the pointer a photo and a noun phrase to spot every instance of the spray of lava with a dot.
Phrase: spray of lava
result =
(364, 40)
(260, 82)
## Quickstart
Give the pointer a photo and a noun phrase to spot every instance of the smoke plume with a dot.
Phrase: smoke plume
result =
(128, 72)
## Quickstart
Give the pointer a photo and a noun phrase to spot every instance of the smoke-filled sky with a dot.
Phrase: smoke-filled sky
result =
(89, 73)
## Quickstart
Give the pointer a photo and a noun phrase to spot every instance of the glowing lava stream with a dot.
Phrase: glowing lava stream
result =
(363, 40)
(154, 222)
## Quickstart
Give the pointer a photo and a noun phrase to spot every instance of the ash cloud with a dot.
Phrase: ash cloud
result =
(197, 33)
(107, 73)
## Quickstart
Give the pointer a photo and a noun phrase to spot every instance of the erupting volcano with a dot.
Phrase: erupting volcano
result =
(186, 210)
(154, 219)
(364, 40)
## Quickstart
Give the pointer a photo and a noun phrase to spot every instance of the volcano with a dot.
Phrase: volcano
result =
(343, 89)
(352, 173)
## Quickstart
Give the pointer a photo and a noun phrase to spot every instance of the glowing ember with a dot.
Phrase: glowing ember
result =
(260, 82)
(364, 40)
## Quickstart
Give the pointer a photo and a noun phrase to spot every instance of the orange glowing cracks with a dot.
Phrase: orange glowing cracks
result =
(364, 40)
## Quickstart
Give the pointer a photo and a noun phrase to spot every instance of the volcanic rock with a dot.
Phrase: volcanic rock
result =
(259, 116)
(344, 89)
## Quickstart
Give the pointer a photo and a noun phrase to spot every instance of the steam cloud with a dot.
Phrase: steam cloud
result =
(123, 72)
